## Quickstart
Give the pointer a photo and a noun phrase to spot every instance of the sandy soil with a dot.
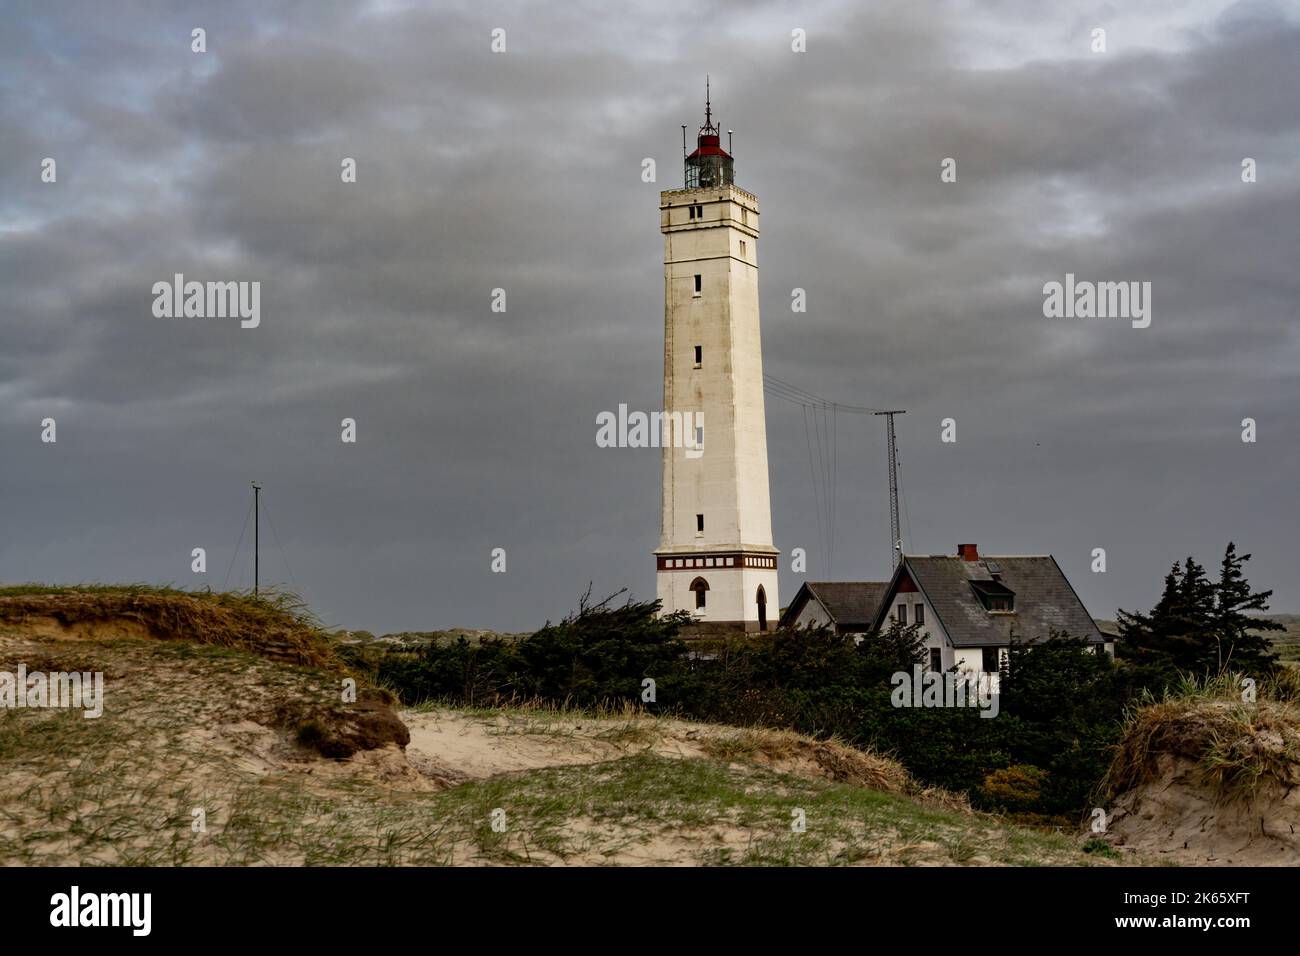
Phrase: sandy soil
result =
(1178, 817)
(459, 747)
(456, 746)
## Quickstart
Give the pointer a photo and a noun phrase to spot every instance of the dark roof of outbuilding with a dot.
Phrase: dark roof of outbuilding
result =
(1044, 599)
(849, 603)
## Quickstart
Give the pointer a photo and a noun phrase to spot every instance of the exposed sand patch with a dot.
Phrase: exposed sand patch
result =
(1178, 816)
(1210, 782)
(460, 746)
(42, 626)
(463, 747)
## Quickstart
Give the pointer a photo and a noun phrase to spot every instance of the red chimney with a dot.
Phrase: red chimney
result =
(968, 552)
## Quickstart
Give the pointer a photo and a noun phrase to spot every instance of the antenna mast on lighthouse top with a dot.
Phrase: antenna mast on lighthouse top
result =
(710, 165)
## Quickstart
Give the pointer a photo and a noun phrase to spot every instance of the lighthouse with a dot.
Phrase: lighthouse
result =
(715, 557)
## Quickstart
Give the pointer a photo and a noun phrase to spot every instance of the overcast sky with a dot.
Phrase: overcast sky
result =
(522, 170)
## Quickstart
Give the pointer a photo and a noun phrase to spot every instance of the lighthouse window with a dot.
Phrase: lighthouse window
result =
(699, 355)
(699, 524)
(742, 247)
(699, 284)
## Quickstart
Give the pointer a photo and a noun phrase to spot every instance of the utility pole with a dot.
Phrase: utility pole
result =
(256, 509)
(895, 535)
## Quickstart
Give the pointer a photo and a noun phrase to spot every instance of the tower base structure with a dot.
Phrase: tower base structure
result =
(726, 591)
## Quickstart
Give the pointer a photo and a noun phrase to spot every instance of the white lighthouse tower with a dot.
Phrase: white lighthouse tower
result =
(715, 556)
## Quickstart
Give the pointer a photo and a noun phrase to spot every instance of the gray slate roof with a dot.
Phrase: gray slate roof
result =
(849, 603)
(1045, 601)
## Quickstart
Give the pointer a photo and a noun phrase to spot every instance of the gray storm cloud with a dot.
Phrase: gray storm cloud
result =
(522, 171)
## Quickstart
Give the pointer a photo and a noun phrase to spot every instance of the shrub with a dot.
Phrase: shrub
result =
(1018, 787)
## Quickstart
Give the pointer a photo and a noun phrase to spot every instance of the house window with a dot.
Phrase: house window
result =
(699, 355)
(990, 660)
(699, 284)
(920, 613)
(902, 614)
(701, 588)
(936, 659)
(699, 524)
(994, 595)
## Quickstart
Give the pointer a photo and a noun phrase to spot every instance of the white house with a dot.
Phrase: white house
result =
(970, 607)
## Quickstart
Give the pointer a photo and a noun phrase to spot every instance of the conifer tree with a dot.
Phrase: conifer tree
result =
(1239, 641)
(1145, 639)
(1200, 626)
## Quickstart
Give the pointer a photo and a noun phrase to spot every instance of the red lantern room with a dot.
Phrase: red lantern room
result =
(710, 164)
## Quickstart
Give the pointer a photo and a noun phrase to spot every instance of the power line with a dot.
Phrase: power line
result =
(821, 534)
(283, 556)
(826, 431)
(235, 553)
(799, 396)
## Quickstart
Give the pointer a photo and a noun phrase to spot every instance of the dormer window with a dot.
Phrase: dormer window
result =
(995, 596)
